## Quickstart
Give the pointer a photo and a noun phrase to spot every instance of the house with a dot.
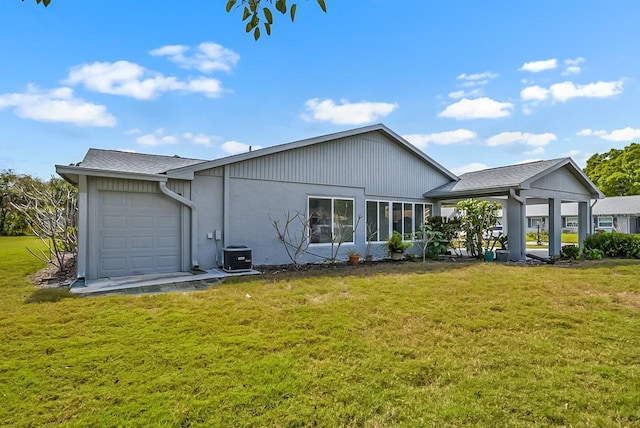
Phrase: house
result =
(612, 214)
(143, 214)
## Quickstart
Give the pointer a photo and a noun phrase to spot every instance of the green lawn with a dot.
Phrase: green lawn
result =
(408, 344)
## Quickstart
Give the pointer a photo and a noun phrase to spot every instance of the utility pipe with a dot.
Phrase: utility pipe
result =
(194, 225)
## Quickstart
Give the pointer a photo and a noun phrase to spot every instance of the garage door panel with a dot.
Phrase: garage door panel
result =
(142, 242)
(139, 233)
(117, 243)
(142, 222)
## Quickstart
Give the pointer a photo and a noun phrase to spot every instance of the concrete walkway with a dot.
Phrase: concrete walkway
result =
(154, 283)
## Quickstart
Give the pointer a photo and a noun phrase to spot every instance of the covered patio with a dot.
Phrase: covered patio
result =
(549, 182)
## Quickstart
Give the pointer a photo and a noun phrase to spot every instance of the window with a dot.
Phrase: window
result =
(605, 222)
(384, 217)
(571, 222)
(330, 219)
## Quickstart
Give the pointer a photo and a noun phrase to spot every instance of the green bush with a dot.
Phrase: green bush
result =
(614, 244)
(593, 254)
(570, 252)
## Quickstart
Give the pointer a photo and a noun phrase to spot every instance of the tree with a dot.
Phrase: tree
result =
(253, 14)
(50, 210)
(12, 220)
(477, 216)
(617, 172)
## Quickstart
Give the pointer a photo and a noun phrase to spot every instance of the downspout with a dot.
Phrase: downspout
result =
(512, 193)
(194, 225)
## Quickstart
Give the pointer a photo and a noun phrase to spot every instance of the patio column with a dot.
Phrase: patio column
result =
(584, 222)
(555, 226)
(516, 220)
(437, 209)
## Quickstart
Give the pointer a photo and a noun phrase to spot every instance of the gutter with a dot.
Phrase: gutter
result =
(512, 194)
(194, 225)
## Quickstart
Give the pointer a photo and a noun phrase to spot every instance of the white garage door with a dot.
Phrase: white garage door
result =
(139, 234)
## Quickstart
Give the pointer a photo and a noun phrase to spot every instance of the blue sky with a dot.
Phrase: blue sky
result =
(472, 83)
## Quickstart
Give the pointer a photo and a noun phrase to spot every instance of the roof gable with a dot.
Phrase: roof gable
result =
(520, 176)
(188, 171)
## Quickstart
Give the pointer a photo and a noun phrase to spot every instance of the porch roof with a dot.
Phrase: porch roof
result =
(500, 180)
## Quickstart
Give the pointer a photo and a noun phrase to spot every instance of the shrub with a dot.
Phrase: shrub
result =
(615, 244)
(570, 252)
(593, 254)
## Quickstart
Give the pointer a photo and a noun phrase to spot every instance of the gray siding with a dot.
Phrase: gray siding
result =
(561, 179)
(255, 203)
(369, 161)
(208, 196)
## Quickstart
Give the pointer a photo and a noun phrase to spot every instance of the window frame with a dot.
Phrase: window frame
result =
(332, 223)
(401, 223)
(610, 222)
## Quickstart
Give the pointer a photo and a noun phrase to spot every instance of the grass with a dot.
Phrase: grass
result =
(445, 344)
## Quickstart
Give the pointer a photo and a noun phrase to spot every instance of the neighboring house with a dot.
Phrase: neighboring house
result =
(612, 214)
(142, 214)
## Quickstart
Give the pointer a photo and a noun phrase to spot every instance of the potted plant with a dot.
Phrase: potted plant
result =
(502, 254)
(354, 256)
(395, 246)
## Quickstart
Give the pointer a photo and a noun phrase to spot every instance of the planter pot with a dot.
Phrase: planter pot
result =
(488, 256)
(502, 255)
(354, 260)
(397, 256)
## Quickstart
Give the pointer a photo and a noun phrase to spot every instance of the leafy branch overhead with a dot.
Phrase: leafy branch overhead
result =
(253, 13)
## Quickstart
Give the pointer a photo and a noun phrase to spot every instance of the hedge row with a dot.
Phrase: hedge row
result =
(615, 244)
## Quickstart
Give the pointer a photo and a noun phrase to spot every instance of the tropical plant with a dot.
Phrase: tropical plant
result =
(476, 217)
(395, 244)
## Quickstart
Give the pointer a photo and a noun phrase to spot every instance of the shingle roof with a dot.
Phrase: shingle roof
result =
(114, 160)
(618, 205)
(496, 178)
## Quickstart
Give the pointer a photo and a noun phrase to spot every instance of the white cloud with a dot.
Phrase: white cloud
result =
(157, 138)
(528, 161)
(573, 66)
(57, 105)
(534, 93)
(535, 140)
(588, 132)
(346, 113)
(572, 69)
(572, 153)
(235, 147)
(472, 83)
(134, 131)
(536, 151)
(121, 78)
(567, 90)
(132, 80)
(538, 66)
(475, 166)
(442, 138)
(479, 108)
(211, 88)
(209, 57)
(465, 94)
(478, 76)
(200, 139)
(626, 134)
